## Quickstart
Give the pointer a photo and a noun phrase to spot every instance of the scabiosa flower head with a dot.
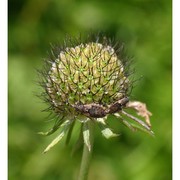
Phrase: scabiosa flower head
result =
(87, 81)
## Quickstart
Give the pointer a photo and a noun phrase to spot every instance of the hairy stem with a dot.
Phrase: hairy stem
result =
(87, 153)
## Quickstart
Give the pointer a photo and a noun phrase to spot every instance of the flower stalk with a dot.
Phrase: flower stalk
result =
(87, 153)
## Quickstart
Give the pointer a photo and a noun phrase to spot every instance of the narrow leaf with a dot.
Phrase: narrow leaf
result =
(86, 136)
(106, 132)
(124, 122)
(59, 137)
(134, 127)
(54, 142)
(70, 132)
(137, 120)
(79, 142)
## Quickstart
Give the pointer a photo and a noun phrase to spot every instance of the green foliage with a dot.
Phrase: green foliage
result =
(145, 28)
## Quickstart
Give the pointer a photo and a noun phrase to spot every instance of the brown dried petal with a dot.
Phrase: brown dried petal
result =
(141, 110)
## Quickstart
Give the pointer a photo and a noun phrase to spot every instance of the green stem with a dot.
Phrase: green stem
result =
(86, 157)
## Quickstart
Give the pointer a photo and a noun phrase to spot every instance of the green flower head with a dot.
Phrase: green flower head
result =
(87, 81)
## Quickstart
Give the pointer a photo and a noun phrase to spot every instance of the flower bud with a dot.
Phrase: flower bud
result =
(85, 74)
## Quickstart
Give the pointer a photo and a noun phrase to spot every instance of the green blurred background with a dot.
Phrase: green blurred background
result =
(145, 28)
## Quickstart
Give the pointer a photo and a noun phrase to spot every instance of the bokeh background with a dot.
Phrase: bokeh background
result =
(145, 28)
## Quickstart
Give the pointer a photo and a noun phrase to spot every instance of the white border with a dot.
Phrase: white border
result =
(3, 89)
(176, 90)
